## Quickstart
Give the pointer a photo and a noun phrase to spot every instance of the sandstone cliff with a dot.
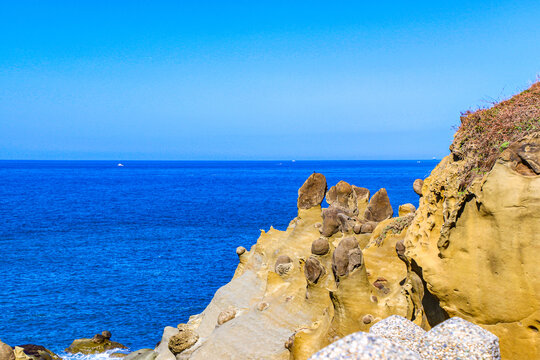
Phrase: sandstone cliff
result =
(469, 250)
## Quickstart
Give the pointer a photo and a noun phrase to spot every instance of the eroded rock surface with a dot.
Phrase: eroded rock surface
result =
(312, 191)
(186, 337)
(340, 270)
(99, 343)
(417, 186)
(6, 352)
(379, 207)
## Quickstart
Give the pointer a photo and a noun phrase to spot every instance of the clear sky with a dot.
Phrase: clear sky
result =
(254, 79)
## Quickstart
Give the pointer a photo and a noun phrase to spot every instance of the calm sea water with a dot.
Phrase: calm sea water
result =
(88, 246)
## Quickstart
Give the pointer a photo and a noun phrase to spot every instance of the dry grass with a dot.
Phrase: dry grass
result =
(485, 133)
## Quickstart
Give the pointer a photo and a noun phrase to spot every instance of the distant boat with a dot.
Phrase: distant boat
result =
(294, 161)
(119, 164)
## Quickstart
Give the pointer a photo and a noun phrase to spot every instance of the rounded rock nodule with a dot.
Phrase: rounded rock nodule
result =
(313, 270)
(400, 248)
(320, 247)
(240, 250)
(283, 265)
(417, 186)
(226, 315)
(367, 319)
(183, 340)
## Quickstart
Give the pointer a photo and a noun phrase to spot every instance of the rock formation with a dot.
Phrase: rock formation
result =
(379, 207)
(417, 186)
(34, 352)
(26, 352)
(476, 233)
(312, 191)
(297, 290)
(186, 337)
(396, 338)
(469, 251)
(6, 352)
(97, 344)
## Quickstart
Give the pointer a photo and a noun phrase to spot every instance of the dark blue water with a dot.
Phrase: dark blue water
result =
(89, 246)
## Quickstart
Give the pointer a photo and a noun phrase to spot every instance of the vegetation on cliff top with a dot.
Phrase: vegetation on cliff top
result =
(485, 133)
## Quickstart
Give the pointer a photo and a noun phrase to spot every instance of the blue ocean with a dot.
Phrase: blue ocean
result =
(88, 246)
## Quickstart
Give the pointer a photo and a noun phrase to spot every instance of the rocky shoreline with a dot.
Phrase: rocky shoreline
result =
(98, 344)
(449, 280)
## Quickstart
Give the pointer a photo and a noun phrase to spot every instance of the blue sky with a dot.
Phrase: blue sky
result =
(254, 79)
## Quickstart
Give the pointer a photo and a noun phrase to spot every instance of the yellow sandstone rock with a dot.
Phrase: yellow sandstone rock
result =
(469, 250)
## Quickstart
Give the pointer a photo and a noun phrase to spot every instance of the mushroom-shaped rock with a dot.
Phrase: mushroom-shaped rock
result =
(240, 250)
(320, 247)
(379, 207)
(283, 264)
(406, 209)
(344, 197)
(399, 330)
(312, 191)
(456, 338)
(226, 315)
(365, 346)
(346, 252)
(417, 186)
(106, 334)
(313, 270)
(6, 352)
(185, 339)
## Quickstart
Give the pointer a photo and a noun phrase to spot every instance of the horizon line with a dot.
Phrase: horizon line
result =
(222, 160)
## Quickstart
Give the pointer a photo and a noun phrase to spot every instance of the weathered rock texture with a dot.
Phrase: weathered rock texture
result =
(379, 207)
(186, 337)
(97, 344)
(397, 338)
(6, 352)
(34, 352)
(142, 354)
(312, 192)
(296, 291)
(469, 250)
(475, 238)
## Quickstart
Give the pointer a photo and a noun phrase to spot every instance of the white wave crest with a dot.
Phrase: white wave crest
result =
(102, 356)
